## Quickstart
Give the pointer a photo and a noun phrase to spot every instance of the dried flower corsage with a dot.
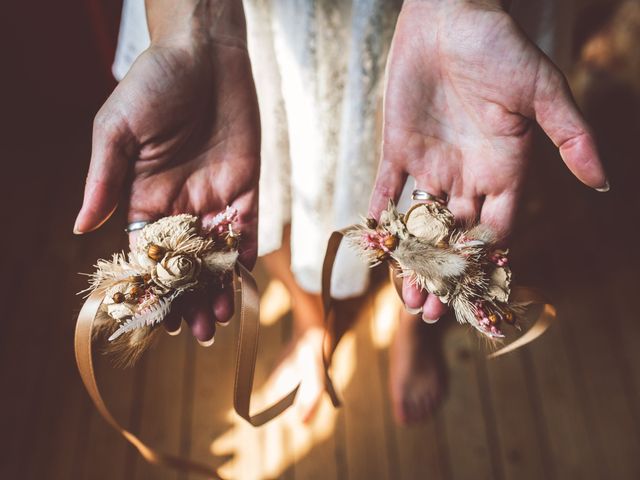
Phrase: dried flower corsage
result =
(172, 256)
(462, 267)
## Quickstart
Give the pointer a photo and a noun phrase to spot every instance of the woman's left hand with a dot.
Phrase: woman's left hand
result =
(464, 88)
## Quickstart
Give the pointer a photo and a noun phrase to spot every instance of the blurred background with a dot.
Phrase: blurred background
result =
(567, 406)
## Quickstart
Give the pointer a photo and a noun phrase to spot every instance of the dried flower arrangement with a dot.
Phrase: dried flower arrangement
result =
(462, 267)
(172, 256)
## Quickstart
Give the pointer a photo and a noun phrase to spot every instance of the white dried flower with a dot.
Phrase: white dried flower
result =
(118, 308)
(179, 233)
(500, 284)
(177, 272)
(430, 222)
(391, 221)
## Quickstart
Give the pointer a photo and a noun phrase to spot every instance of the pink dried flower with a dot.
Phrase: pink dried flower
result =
(379, 240)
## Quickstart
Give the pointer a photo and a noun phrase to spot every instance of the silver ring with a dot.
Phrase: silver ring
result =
(135, 226)
(424, 196)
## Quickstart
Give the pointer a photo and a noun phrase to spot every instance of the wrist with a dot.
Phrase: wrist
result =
(194, 24)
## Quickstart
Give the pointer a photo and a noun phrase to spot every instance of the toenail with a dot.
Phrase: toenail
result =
(413, 311)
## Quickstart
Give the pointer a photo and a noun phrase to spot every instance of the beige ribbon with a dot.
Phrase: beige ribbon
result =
(522, 295)
(248, 350)
(245, 368)
(328, 306)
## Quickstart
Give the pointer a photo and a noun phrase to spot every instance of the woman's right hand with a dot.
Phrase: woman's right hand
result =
(181, 134)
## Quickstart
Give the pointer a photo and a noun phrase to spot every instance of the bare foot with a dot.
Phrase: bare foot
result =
(417, 378)
(302, 362)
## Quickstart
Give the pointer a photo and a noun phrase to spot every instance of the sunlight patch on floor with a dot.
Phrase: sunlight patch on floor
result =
(261, 449)
(385, 318)
(275, 302)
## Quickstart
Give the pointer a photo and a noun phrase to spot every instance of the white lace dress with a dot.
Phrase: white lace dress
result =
(318, 67)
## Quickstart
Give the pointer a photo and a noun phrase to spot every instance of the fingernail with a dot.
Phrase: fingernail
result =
(605, 188)
(176, 332)
(207, 343)
(224, 324)
(76, 230)
(429, 320)
(413, 311)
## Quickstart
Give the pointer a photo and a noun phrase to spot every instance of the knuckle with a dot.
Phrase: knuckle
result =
(384, 191)
(105, 125)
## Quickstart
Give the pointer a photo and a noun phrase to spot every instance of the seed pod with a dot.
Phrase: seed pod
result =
(232, 241)
(372, 223)
(509, 318)
(134, 292)
(155, 252)
(381, 255)
(118, 297)
(390, 242)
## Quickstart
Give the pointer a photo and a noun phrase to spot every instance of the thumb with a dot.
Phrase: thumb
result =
(107, 172)
(558, 115)
(389, 184)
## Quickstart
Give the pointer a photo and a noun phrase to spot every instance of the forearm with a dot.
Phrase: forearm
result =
(203, 21)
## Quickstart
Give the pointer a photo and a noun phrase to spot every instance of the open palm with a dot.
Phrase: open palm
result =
(464, 86)
(180, 134)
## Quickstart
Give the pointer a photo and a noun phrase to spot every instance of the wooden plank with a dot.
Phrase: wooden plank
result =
(107, 452)
(64, 410)
(212, 398)
(162, 408)
(276, 437)
(366, 444)
(623, 290)
(66, 416)
(104, 453)
(521, 443)
(415, 451)
(588, 313)
(469, 443)
(219, 436)
(251, 447)
(316, 445)
(28, 283)
(48, 318)
(572, 451)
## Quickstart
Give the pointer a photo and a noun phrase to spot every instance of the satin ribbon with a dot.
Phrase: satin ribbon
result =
(328, 307)
(522, 295)
(245, 368)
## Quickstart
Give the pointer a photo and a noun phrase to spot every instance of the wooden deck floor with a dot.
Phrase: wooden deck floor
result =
(566, 407)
